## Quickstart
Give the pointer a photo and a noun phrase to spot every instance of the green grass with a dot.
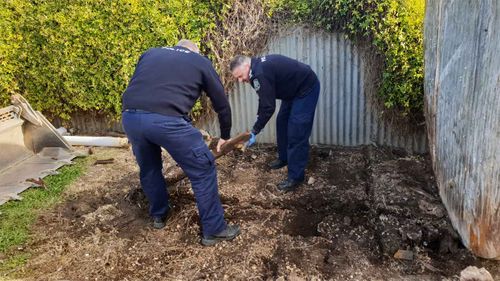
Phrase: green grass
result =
(12, 263)
(17, 217)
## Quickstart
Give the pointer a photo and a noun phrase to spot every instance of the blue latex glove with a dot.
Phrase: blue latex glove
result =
(251, 141)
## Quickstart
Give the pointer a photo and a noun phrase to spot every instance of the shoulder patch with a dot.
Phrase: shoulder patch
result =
(256, 84)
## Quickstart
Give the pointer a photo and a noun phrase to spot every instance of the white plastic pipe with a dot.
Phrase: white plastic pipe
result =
(97, 141)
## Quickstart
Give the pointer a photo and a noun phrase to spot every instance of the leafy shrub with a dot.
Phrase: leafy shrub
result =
(78, 55)
(395, 27)
(9, 44)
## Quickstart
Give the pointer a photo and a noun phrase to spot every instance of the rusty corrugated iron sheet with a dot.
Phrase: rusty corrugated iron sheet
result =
(462, 94)
(345, 114)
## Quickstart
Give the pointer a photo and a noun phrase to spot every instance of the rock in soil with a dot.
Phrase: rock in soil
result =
(404, 255)
(472, 273)
(311, 181)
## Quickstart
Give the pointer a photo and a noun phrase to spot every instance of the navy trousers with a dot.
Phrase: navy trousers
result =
(148, 132)
(294, 125)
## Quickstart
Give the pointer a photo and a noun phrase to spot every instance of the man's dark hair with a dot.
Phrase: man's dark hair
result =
(237, 61)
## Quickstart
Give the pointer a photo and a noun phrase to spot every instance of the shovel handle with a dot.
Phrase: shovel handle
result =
(178, 174)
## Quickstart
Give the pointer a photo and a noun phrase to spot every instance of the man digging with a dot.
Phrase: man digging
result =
(166, 83)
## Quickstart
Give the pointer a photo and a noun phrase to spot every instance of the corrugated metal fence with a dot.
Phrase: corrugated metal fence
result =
(462, 91)
(344, 115)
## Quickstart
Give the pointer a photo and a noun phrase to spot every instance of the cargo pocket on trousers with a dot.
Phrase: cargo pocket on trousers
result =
(203, 155)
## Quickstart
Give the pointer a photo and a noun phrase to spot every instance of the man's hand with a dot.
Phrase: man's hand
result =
(220, 143)
(251, 141)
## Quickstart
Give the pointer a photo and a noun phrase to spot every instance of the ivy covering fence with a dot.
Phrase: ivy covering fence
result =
(73, 56)
(394, 28)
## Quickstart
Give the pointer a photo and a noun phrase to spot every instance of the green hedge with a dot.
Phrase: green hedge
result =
(9, 45)
(395, 27)
(78, 55)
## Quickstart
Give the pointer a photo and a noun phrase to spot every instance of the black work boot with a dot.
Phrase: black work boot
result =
(231, 231)
(159, 222)
(277, 164)
(288, 185)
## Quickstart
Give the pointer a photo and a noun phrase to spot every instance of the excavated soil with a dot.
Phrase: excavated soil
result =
(359, 207)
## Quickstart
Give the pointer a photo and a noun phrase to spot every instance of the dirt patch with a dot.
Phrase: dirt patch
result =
(363, 205)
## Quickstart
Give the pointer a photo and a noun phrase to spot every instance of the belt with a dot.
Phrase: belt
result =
(136, 110)
(185, 117)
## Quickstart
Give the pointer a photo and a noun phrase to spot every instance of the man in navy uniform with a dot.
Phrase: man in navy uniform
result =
(297, 86)
(166, 83)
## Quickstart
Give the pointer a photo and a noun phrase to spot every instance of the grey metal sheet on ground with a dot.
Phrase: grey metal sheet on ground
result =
(13, 179)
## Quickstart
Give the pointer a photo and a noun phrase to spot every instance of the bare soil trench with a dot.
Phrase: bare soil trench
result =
(365, 204)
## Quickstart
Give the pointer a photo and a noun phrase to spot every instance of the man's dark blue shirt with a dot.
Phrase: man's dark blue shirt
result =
(169, 80)
(278, 77)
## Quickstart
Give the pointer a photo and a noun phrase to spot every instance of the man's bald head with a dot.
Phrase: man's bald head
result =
(189, 45)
